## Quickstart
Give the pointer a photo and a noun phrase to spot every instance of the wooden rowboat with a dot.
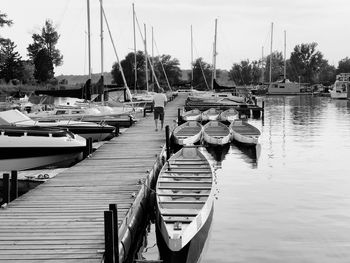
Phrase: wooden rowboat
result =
(188, 133)
(185, 204)
(192, 115)
(210, 115)
(216, 133)
(244, 132)
(229, 115)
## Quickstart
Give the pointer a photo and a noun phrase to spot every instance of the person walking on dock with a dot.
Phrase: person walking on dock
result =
(159, 101)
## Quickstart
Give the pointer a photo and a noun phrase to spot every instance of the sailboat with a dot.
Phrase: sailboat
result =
(284, 86)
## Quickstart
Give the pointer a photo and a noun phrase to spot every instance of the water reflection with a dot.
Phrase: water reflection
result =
(295, 205)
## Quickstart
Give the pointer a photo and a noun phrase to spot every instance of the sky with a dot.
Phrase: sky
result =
(243, 29)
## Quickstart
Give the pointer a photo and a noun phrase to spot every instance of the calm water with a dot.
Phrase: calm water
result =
(289, 202)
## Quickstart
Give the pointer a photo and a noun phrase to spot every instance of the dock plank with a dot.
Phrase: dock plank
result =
(62, 219)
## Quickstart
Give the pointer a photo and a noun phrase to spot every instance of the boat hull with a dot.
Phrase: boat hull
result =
(25, 163)
(244, 133)
(338, 95)
(216, 133)
(188, 133)
(193, 251)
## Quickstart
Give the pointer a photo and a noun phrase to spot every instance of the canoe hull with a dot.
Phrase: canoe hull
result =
(216, 133)
(188, 133)
(193, 251)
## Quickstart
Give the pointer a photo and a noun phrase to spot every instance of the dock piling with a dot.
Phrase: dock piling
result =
(167, 141)
(178, 116)
(14, 185)
(263, 109)
(114, 209)
(6, 183)
(109, 237)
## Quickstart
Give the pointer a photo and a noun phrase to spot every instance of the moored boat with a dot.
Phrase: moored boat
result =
(228, 115)
(97, 132)
(188, 133)
(211, 114)
(341, 87)
(24, 148)
(192, 115)
(216, 133)
(185, 203)
(244, 133)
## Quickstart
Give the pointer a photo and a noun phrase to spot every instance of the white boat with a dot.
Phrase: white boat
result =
(210, 115)
(341, 87)
(192, 115)
(185, 204)
(114, 116)
(284, 87)
(216, 133)
(97, 132)
(228, 115)
(24, 148)
(188, 133)
(244, 133)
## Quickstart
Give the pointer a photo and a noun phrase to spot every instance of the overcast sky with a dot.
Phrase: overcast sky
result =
(244, 27)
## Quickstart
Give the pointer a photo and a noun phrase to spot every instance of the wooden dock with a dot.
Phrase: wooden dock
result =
(62, 220)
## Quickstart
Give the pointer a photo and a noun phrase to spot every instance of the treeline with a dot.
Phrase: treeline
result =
(306, 64)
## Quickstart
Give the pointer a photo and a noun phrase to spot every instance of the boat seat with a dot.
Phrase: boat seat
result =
(184, 194)
(187, 176)
(184, 188)
(179, 212)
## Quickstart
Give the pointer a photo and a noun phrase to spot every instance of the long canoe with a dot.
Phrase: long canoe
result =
(188, 133)
(185, 203)
(244, 132)
(216, 133)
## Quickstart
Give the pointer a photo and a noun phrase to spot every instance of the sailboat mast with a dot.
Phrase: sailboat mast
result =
(191, 56)
(151, 62)
(262, 65)
(135, 60)
(285, 63)
(146, 58)
(101, 22)
(270, 80)
(214, 55)
(89, 40)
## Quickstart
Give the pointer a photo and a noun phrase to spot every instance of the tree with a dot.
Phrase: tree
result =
(46, 41)
(202, 72)
(43, 66)
(277, 68)
(4, 21)
(128, 65)
(11, 66)
(171, 68)
(307, 62)
(344, 66)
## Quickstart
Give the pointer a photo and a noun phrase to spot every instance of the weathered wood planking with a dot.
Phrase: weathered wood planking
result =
(62, 219)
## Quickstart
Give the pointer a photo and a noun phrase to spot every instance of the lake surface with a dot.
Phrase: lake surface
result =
(289, 201)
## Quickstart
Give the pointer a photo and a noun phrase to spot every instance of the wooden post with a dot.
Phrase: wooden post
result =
(263, 109)
(144, 112)
(14, 185)
(6, 184)
(178, 116)
(109, 239)
(88, 147)
(130, 121)
(167, 141)
(114, 209)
